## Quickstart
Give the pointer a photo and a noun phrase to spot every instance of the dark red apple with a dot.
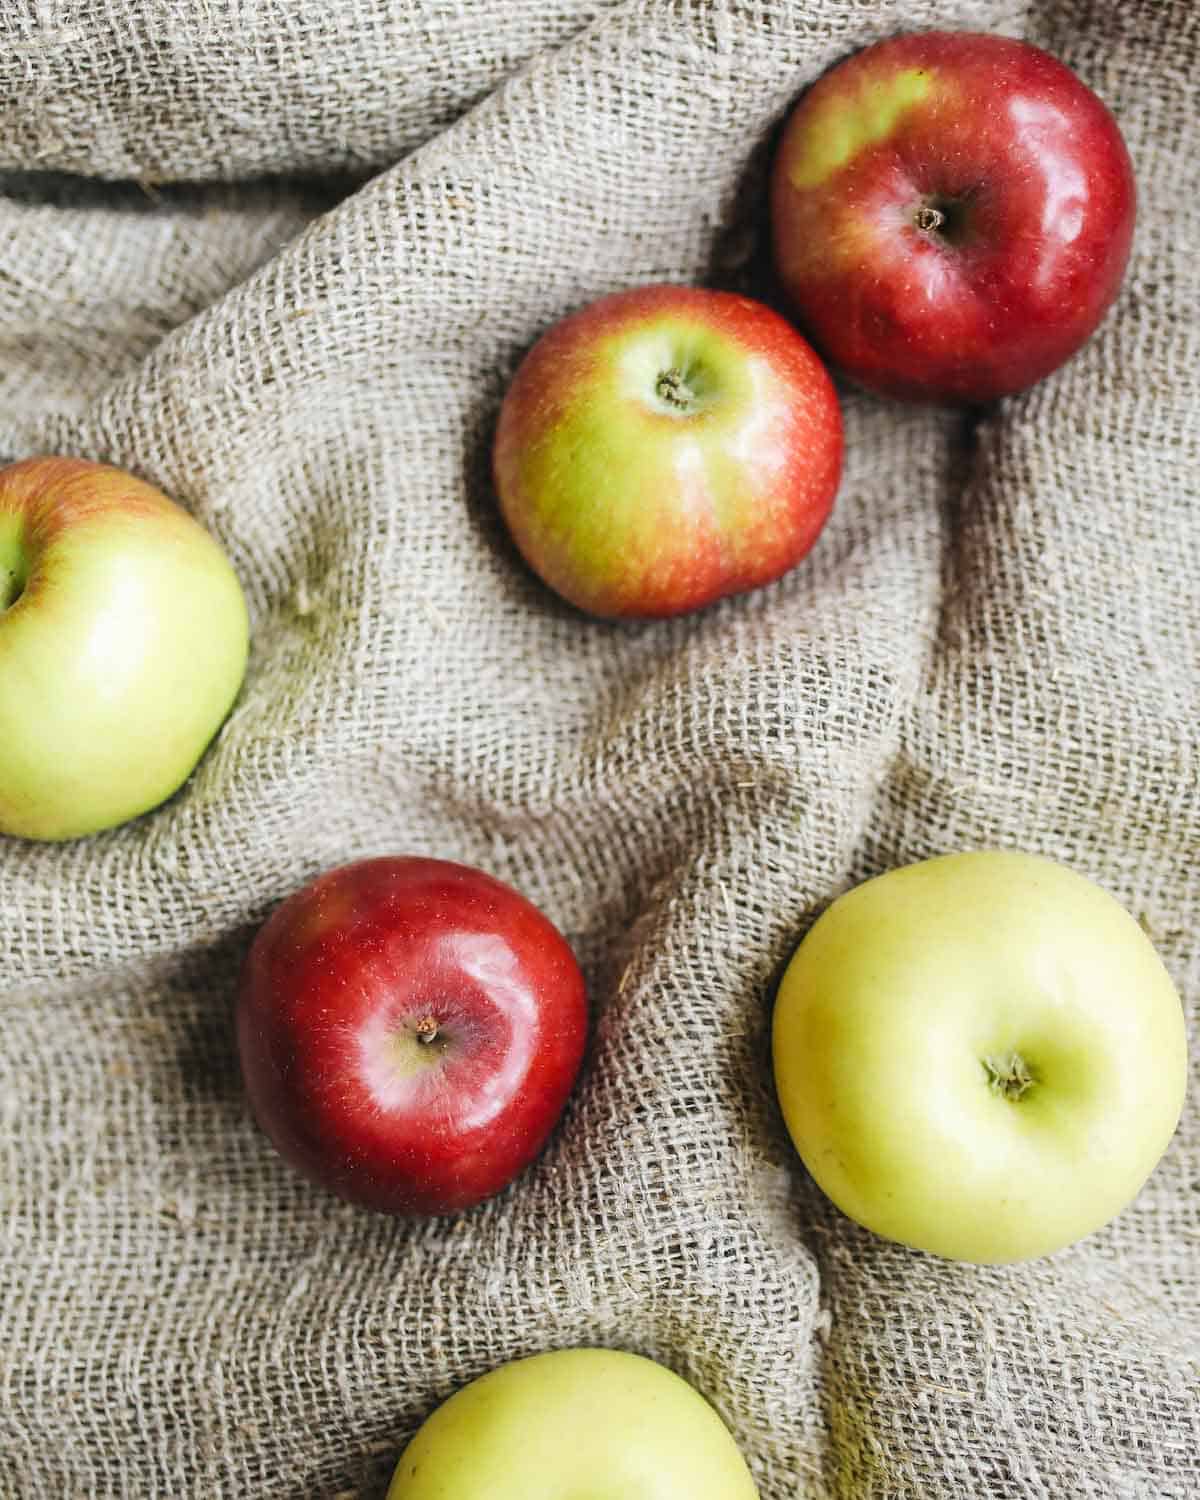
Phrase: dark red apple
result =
(951, 215)
(409, 1031)
(664, 447)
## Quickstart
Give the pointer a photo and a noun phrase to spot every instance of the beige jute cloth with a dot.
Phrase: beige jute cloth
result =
(280, 257)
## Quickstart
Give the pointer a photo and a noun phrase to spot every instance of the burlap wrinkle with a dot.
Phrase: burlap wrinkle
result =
(280, 258)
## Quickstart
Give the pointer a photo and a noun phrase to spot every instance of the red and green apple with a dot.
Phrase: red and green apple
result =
(123, 644)
(664, 447)
(951, 215)
(980, 1055)
(409, 1031)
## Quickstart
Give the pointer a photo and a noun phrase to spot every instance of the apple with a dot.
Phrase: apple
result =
(409, 1030)
(979, 1055)
(572, 1423)
(123, 643)
(951, 215)
(664, 447)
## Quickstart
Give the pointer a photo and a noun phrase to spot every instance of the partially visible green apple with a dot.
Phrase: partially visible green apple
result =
(123, 643)
(980, 1055)
(574, 1424)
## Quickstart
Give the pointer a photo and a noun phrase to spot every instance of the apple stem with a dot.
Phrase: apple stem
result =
(673, 389)
(427, 1031)
(14, 560)
(1010, 1076)
(12, 584)
(929, 219)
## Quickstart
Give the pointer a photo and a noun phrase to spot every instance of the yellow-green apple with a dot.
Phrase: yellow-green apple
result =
(951, 215)
(574, 1424)
(409, 1031)
(123, 642)
(664, 447)
(980, 1055)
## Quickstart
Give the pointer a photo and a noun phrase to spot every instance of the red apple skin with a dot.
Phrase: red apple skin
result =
(1035, 187)
(636, 504)
(342, 988)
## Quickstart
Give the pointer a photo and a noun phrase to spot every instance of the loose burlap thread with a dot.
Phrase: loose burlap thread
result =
(304, 247)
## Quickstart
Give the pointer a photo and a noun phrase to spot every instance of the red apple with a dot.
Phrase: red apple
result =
(409, 1031)
(951, 215)
(664, 447)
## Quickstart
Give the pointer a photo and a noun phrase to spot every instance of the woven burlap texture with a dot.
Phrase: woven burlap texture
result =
(995, 643)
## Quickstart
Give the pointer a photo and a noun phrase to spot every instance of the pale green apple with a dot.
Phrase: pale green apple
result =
(574, 1424)
(980, 1055)
(123, 643)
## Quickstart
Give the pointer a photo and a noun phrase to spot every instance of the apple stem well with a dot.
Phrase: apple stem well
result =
(416, 1047)
(943, 219)
(676, 389)
(1010, 1076)
(13, 574)
(12, 586)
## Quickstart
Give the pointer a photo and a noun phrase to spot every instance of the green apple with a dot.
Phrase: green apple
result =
(980, 1055)
(123, 642)
(574, 1424)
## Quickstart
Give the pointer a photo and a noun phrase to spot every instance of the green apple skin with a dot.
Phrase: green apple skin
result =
(980, 1055)
(123, 643)
(664, 447)
(574, 1424)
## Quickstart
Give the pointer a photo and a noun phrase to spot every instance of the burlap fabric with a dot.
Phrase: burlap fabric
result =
(995, 643)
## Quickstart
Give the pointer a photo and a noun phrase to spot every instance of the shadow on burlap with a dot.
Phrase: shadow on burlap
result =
(994, 643)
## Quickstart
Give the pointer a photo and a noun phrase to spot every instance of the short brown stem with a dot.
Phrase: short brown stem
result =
(11, 587)
(672, 388)
(1010, 1075)
(427, 1031)
(929, 219)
